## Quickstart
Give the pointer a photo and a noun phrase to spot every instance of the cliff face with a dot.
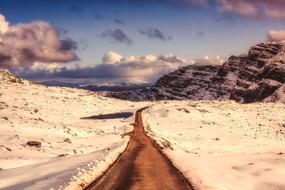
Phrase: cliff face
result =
(256, 76)
(261, 75)
(191, 82)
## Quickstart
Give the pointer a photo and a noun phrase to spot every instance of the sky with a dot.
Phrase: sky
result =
(130, 40)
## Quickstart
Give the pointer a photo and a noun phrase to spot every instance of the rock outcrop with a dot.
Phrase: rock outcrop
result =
(7, 77)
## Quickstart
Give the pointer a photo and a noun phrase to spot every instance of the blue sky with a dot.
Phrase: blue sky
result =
(194, 30)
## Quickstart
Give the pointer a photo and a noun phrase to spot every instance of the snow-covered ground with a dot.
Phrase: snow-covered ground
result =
(73, 151)
(219, 145)
(222, 145)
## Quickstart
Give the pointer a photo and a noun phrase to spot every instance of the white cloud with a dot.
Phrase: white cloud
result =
(111, 57)
(276, 36)
(4, 25)
(137, 69)
(26, 43)
(210, 61)
(171, 58)
(133, 68)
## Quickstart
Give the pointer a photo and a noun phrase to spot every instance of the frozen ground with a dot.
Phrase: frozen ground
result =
(72, 151)
(222, 145)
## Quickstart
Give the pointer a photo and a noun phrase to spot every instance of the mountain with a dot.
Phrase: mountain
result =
(258, 75)
(93, 85)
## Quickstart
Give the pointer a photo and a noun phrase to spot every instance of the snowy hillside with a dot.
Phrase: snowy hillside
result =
(222, 145)
(45, 141)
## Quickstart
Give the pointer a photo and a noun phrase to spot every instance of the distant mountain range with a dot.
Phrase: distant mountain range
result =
(98, 86)
(258, 75)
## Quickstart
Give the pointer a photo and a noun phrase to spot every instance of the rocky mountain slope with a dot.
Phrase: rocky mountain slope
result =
(7, 77)
(256, 76)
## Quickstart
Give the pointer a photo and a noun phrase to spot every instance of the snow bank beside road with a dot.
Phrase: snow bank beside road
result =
(222, 145)
(73, 172)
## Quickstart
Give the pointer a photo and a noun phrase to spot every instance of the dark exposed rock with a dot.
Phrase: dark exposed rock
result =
(5, 148)
(257, 76)
(262, 75)
(34, 144)
(62, 155)
(67, 140)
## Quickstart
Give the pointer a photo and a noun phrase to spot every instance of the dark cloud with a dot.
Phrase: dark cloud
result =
(67, 45)
(170, 2)
(119, 21)
(154, 33)
(199, 34)
(4, 58)
(77, 9)
(118, 35)
(226, 17)
(23, 44)
(98, 16)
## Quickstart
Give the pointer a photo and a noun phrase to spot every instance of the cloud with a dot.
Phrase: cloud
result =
(118, 35)
(171, 2)
(273, 9)
(210, 61)
(276, 36)
(242, 7)
(132, 68)
(76, 9)
(4, 24)
(23, 44)
(256, 9)
(199, 34)
(136, 69)
(111, 57)
(154, 33)
(119, 21)
(98, 16)
(172, 59)
(275, 13)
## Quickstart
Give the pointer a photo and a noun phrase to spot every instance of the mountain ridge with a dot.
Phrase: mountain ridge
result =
(253, 77)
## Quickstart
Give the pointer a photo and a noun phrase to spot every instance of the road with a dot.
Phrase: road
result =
(141, 166)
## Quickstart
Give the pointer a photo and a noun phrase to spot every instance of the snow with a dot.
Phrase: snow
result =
(222, 145)
(74, 151)
(217, 145)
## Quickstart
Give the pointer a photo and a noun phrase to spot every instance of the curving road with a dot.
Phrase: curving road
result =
(141, 166)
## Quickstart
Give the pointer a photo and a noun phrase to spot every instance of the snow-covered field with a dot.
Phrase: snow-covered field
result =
(46, 142)
(222, 145)
(72, 151)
